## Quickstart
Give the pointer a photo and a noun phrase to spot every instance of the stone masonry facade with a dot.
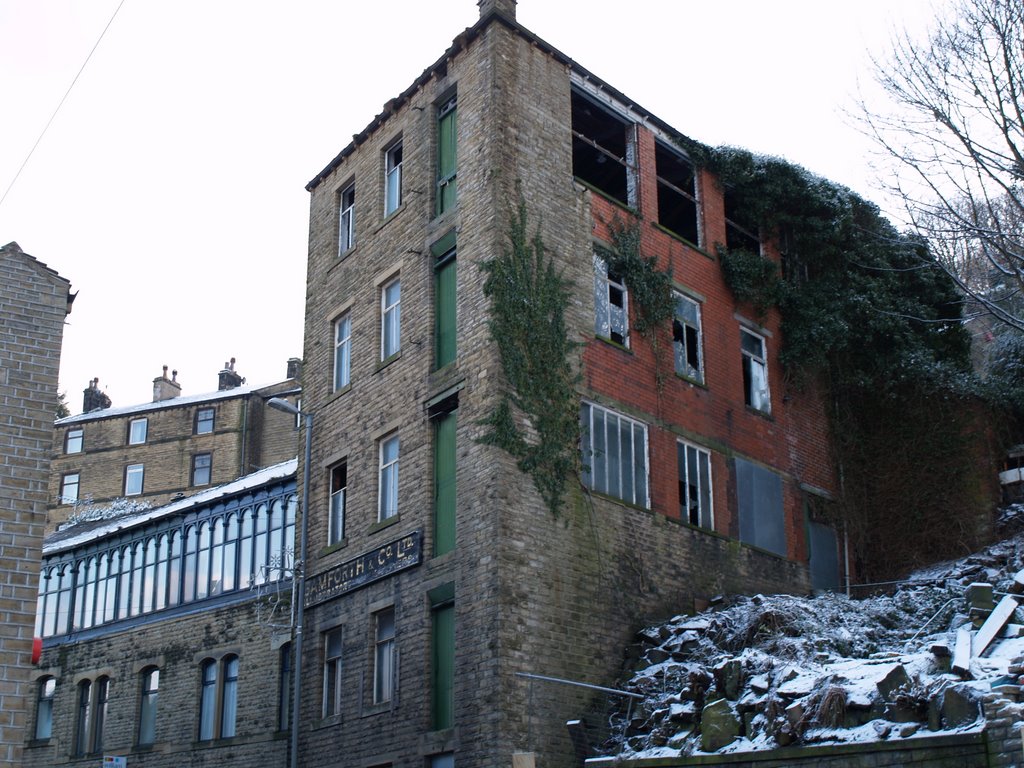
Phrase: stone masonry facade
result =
(531, 592)
(232, 428)
(34, 301)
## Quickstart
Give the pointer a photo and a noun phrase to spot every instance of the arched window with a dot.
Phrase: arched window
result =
(100, 714)
(230, 552)
(113, 573)
(259, 561)
(245, 550)
(64, 581)
(124, 589)
(229, 697)
(160, 583)
(217, 558)
(218, 703)
(44, 707)
(84, 722)
(208, 701)
(189, 566)
(147, 705)
(174, 570)
(203, 563)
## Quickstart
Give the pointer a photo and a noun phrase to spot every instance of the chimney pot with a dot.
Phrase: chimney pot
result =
(506, 8)
(164, 388)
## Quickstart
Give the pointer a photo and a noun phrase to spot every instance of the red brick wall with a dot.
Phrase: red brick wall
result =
(793, 440)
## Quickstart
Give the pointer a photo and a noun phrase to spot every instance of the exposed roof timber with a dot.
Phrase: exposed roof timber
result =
(578, 74)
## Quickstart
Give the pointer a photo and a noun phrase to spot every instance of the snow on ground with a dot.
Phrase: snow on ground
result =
(827, 669)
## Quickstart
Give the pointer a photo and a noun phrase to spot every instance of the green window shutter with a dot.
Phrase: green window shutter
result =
(443, 668)
(446, 162)
(444, 483)
(444, 310)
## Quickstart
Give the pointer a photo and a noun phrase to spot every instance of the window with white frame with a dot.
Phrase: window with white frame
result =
(694, 467)
(73, 441)
(603, 149)
(336, 513)
(204, 421)
(134, 475)
(346, 219)
(69, 488)
(392, 178)
(611, 304)
(384, 655)
(686, 339)
(342, 351)
(137, 429)
(614, 454)
(390, 319)
(387, 506)
(332, 672)
(755, 371)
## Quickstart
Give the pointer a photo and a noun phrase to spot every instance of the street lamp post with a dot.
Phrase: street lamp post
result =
(299, 572)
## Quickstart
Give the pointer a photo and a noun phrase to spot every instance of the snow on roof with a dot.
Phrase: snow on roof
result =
(77, 535)
(187, 399)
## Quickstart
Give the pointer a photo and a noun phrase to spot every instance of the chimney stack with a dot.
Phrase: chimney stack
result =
(506, 8)
(227, 378)
(164, 388)
(93, 399)
(294, 368)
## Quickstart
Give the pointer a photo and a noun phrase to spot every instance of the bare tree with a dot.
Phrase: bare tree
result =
(956, 132)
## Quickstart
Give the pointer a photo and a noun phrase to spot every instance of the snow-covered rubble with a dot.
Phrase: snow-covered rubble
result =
(767, 671)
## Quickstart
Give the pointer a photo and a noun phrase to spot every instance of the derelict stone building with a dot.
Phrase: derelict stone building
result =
(436, 572)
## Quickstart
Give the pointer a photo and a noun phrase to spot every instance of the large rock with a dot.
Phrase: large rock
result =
(729, 678)
(896, 678)
(719, 725)
(959, 707)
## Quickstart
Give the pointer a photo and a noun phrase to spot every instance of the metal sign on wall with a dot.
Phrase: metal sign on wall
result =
(369, 567)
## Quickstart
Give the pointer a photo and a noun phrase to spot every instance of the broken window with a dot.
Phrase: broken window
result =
(346, 219)
(611, 304)
(686, 339)
(677, 193)
(603, 150)
(694, 467)
(755, 371)
(393, 178)
(614, 454)
(740, 229)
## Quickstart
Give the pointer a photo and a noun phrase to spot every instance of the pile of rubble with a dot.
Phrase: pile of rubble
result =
(763, 672)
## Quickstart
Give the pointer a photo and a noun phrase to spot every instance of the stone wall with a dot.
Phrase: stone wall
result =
(177, 647)
(968, 750)
(33, 305)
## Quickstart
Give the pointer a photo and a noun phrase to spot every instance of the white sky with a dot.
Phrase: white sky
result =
(170, 187)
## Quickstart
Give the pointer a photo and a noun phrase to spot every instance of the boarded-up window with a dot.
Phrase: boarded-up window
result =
(759, 498)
